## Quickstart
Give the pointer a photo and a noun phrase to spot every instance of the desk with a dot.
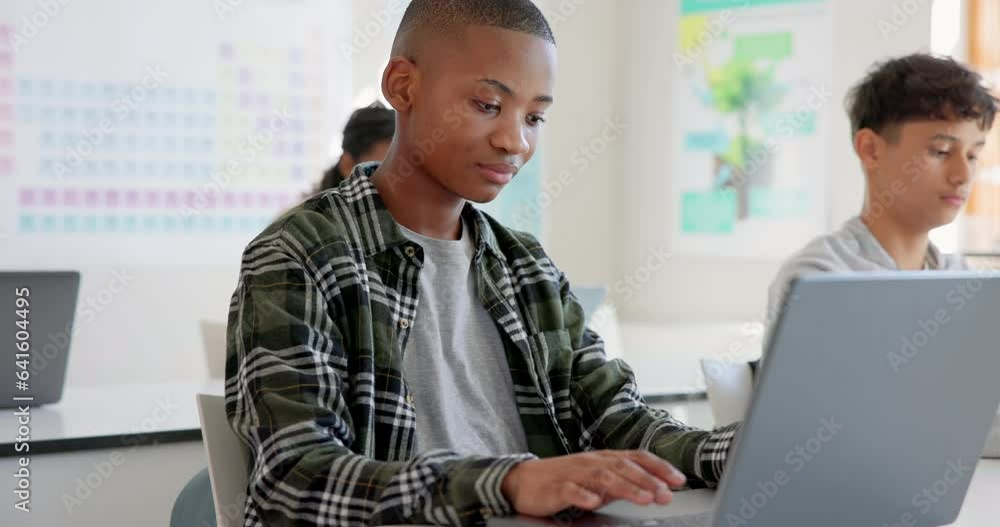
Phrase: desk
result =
(667, 358)
(119, 432)
(107, 456)
(980, 509)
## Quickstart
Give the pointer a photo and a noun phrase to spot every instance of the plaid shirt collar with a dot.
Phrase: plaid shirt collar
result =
(386, 234)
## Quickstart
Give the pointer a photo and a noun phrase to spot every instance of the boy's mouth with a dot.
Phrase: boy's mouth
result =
(954, 200)
(499, 173)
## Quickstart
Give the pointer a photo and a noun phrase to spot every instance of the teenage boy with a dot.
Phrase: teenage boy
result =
(397, 356)
(919, 123)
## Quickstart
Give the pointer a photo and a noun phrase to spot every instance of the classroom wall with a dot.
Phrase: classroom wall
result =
(140, 323)
(710, 289)
(599, 228)
(584, 140)
(149, 331)
(374, 26)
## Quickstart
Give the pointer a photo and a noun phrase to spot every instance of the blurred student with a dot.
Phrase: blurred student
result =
(919, 123)
(367, 136)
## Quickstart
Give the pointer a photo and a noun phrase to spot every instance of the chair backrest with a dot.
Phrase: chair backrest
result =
(227, 467)
(213, 338)
(730, 388)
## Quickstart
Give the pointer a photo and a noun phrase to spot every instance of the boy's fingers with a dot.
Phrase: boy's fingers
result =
(574, 495)
(641, 478)
(614, 487)
(658, 467)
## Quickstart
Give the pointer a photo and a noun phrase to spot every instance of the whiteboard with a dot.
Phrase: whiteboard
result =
(161, 133)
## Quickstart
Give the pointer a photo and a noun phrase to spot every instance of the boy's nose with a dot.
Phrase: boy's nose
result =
(510, 137)
(962, 172)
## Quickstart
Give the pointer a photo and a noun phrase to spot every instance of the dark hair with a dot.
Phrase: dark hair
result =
(919, 87)
(449, 17)
(365, 128)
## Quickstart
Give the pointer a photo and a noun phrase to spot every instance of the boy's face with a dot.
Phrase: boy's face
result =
(924, 176)
(477, 109)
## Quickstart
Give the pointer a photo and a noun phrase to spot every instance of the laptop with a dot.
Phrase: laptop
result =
(872, 408)
(37, 323)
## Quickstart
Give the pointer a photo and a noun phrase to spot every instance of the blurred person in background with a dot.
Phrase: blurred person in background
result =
(367, 136)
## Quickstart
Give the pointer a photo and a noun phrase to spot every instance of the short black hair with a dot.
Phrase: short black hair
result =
(450, 17)
(366, 127)
(919, 86)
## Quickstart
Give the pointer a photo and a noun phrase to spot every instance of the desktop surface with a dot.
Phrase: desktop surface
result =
(980, 508)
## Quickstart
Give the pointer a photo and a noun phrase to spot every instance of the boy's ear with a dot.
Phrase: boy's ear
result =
(869, 146)
(399, 80)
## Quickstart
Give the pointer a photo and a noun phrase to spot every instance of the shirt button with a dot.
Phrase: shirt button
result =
(410, 251)
(405, 324)
(409, 399)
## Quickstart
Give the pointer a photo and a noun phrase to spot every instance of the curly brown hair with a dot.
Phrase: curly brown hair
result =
(918, 87)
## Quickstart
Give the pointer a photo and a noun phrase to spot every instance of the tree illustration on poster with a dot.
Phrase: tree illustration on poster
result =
(752, 96)
(746, 89)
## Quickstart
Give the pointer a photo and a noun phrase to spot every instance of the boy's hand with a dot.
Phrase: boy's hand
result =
(590, 480)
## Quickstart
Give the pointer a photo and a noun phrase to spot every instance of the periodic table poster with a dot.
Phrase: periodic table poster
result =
(161, 133)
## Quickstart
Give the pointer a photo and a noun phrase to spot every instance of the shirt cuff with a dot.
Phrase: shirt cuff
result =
(490, 482)
(713, 452)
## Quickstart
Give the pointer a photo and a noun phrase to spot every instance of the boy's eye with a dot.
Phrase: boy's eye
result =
(940, 153)
(487, 107)
(536, 120)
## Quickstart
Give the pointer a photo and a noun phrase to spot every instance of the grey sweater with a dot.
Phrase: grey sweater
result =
(855, 248)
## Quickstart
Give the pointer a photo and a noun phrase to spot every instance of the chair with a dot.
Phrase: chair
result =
(193, 505)
(227, 461)
(213, 338)
(730, 387)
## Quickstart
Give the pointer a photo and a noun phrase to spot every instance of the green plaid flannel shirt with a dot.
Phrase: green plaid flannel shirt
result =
(315, 390)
